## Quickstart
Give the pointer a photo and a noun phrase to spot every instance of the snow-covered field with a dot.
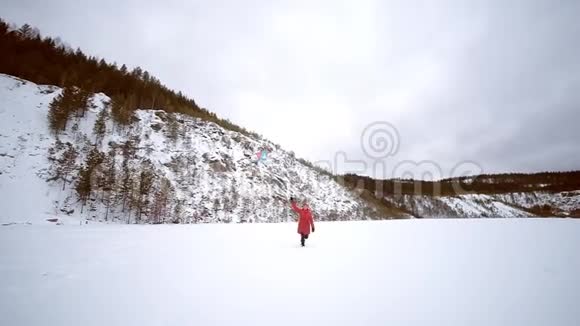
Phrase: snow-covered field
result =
(408, 272)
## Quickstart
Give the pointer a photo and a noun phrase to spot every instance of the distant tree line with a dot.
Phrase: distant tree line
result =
(45, 60)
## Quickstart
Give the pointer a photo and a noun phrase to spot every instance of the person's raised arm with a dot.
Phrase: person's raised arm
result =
(293, 204)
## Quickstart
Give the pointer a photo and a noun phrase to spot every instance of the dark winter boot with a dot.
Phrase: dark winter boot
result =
(302, 240)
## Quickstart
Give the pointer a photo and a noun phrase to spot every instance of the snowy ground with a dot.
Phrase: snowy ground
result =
(410, 272)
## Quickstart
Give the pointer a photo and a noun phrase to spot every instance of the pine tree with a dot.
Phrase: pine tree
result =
(172, 127)
(127, 190)
(25, 32)
(67, 163)
(245, 209)
(100, 126)
(216, 207)
(3, 27)
(120, 111)
(127, 184)
(57, 114)
(146, 178)
(80, 101)
(70, 101)
(54, 154)
(235, 196)
(83, 186)
(161, 201)
(137, 72)
(87, 175)
(178, 212)
(94, 158)
(111, 180)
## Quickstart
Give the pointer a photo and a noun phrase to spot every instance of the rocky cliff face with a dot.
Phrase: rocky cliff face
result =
(161, 168)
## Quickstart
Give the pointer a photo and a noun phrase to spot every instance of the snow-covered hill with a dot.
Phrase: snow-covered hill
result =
(566, 201)
(482, 205)
(200, 173)
(456, 206)
(409, 272)
(208, 174)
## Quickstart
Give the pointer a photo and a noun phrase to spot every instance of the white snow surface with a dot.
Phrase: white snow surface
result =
(24, 141)
(407, 272)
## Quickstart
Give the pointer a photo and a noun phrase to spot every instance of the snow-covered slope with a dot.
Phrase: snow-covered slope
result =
(481, 205)
(211, 172)
(476, 205)
(411, 272)
(24, 141)
(567, 201)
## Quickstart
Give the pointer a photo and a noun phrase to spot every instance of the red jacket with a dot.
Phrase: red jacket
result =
(305, 220)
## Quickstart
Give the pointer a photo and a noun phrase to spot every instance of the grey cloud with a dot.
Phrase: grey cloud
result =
(496, 82)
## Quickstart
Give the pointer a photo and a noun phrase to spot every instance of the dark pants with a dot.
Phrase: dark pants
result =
(303, 238)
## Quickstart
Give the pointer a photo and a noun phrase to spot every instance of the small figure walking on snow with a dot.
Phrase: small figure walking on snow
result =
(305, 220)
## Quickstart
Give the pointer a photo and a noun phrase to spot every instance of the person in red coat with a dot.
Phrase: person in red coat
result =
(305, 220)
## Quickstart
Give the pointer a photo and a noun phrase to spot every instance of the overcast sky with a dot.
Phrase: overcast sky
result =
(496, 83)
